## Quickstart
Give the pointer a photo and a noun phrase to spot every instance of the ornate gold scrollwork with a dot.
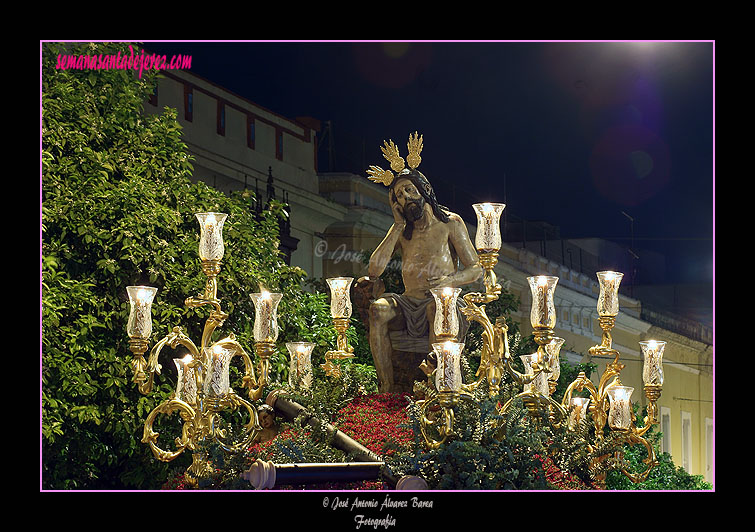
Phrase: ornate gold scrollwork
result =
(437, 413)
(188, 414)
(251, 429)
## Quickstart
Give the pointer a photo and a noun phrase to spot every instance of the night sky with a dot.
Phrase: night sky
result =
(582, 135)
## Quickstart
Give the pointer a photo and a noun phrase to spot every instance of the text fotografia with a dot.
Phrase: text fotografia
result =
(358, 505)
(374, 522)
(126, 61)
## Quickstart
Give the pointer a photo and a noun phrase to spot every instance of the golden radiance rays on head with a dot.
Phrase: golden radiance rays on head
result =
(391, 154)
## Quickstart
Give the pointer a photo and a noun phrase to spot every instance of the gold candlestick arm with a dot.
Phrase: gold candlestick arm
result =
(343, 350)
(203, 391)
(144, 371)
(211, 268)
(652, 393)
(256, 383)
(488, 260)
(139, 346)
(437, 415)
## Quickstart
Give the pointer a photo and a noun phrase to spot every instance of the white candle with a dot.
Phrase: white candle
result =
(266, 318)
(211, 245)
(446, 322)
(448, 372)
(140, 316)
(186, 389)
(620, 412)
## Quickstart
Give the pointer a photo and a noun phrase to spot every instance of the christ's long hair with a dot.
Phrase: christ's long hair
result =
(426, 191)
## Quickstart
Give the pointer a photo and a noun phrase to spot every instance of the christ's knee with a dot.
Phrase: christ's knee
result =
(380, 313)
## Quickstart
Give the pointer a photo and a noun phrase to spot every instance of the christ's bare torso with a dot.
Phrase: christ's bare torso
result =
(428, 255)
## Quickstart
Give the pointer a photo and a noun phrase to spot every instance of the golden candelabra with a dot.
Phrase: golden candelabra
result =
(203, 391)
(340, 312)
(446, 388)
(609, 403)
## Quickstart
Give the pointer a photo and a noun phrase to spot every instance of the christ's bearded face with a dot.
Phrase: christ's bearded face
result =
(410, 200)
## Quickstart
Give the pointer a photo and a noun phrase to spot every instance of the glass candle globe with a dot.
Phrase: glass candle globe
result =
(139, 323)
(217, 382)
(540, 383)
(608, 300)
(340, 296)
(620, 411)
(488, 236)
(448, 372)
(446, 322)
(577, 411)
(186, 389)
(300, 368)
(543, 311)
(652, 369)
(553, 350)
(211, 235)
(266, 316)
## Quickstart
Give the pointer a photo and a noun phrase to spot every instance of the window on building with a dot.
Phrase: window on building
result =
(188, 103)
(250, 131)
(279, 145)
(221, 118)
(666, 430)
(686, 441)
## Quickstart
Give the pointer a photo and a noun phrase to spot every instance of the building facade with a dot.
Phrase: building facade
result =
(337, 219)
(238, 145)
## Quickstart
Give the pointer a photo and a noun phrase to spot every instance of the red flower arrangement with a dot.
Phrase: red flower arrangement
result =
(559, 479)
(379, 422)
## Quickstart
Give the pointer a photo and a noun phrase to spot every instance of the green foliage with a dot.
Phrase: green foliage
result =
(330, 394)
(488, 454)
(118, 209)
(664, 476)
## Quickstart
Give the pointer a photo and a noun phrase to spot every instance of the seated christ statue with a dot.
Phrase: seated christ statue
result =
(432, 242)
